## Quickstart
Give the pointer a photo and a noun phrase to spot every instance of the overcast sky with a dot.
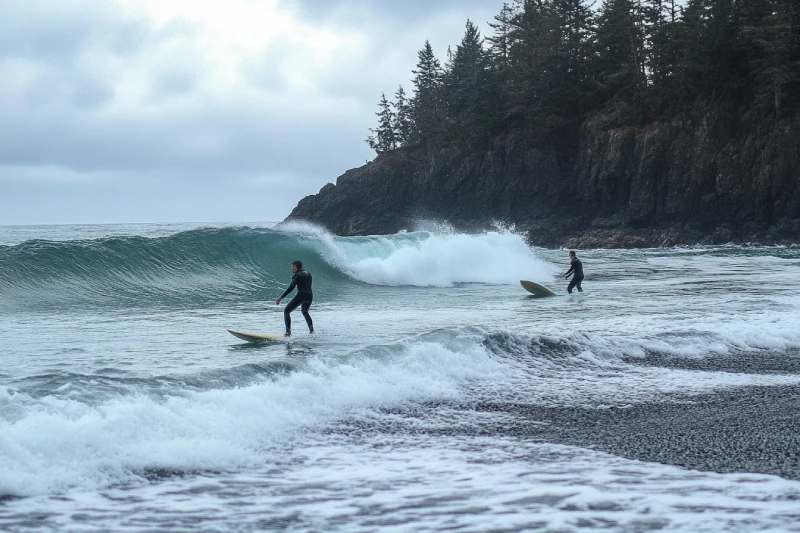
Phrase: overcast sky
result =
(192, 110)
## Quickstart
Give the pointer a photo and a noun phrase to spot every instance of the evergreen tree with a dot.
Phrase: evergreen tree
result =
(402, 117)
(383, 139)
(499, 42)
(577, 33)
(535, 40)
(466, 76)
(550, 64)
(711, 66)
(793, 85)
(660, 18)
(576, 87)
(767, 33)
(500, 67)
(653, 22)
(620, 52)
(426, 110)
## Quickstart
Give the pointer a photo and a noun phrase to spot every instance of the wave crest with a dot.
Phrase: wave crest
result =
(424, 258)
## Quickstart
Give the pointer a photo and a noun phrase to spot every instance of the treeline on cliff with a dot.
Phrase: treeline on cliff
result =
(551, 64)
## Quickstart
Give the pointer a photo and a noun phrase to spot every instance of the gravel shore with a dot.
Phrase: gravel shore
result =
(751, 429)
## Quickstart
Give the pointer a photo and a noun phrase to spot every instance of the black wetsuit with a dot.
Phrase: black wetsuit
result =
(302, 280)
(576, 269)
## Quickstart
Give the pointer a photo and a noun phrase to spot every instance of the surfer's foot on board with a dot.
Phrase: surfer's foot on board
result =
(287, 334)
(311, 331)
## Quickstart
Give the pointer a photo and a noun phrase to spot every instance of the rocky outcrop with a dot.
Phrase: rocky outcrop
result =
(679, 182)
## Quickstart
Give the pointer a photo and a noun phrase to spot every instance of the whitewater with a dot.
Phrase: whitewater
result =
(436, 394)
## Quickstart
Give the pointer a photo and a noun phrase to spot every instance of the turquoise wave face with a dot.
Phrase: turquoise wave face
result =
(198, 267)
(215, 266)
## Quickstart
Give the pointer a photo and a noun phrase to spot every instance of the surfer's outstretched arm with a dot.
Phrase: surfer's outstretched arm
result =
(287, 291)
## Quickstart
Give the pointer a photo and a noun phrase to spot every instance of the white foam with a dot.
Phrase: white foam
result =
(52, 444)
(575, 369)
(301, 227)
(438, 259)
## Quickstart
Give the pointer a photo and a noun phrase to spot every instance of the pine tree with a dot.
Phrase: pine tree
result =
(577, 33)
(500, 68)
(552, 63)
(575, 86)
(499, 42)
(534, 41)
(383, 139)
(465, 79)
(793, 86)
(653, 21)
(663, 57)
(426, 110)
(402, 117)
(711, 65)
(768, 31)
(620, 52)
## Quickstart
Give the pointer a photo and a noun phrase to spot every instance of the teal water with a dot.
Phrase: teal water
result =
(126, 406)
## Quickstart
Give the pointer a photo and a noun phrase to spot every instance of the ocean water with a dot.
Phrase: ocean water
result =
(125, 405)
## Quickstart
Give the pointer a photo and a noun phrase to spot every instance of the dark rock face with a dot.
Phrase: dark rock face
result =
(681, 182)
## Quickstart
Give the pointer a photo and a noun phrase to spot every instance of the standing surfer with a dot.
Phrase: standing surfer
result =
(576, 271)
(302, 280)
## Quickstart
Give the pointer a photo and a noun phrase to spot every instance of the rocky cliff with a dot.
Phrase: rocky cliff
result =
(678, 182)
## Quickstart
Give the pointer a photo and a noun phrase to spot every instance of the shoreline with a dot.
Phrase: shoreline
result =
(749, 430)
(754, 429)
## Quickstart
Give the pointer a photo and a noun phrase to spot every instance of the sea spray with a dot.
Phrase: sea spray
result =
(438, 260)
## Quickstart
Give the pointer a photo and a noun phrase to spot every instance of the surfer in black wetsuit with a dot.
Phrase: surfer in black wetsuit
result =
(576, 271)
(302, 280)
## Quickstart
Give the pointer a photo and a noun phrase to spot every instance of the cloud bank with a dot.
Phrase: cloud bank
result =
(140, 110)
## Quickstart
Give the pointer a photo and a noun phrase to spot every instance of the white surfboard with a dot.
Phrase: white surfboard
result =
(536, 289)
(258, 337)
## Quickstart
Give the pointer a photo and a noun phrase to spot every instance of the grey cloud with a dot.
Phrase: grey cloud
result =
(251, 153)
(54, 51)
(236, 138)
(91, 93)
(176, 74)
(390, 50)
(134, 197)
(266, 71)
(82, 90)
(60, 31)
(175, 81)
(175, 131)
(403, 11)
(178, 132)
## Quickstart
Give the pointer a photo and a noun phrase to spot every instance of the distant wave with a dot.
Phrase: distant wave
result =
(568, 369)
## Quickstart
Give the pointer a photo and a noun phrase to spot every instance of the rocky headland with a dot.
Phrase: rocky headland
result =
(708, 180)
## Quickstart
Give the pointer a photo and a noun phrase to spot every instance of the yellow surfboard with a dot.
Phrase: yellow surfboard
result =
(258, 337)
(536, 289)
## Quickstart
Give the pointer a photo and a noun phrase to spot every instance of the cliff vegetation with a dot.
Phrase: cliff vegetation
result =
(643, 123)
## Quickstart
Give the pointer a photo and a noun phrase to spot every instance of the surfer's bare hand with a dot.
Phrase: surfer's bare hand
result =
(278, 301)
